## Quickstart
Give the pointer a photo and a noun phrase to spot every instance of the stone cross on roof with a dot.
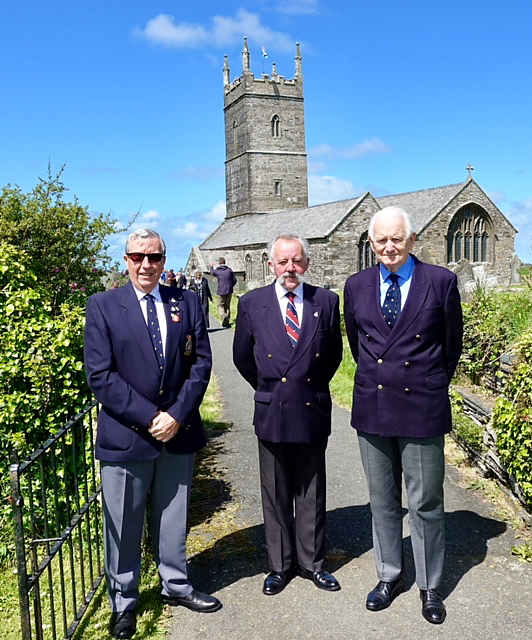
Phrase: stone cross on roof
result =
(470, 170)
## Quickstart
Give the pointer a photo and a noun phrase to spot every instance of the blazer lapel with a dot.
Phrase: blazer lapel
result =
(173, 301)
(273, 319)
(134, 320)
(311, 318)
(419, 288)
(373, 301)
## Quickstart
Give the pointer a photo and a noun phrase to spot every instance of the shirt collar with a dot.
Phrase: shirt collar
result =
(405, 272)
(281, 291)
(155, 293)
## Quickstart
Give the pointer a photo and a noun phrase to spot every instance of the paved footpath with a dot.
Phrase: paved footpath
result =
(488, 592)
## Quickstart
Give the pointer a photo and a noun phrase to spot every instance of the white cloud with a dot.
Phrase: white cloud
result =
(329, 189)
(223, 31)
(365, 148)
(520, 213)
(298, 7)
(163, 30)
(151, 216)
(320, 150)
(200, 174)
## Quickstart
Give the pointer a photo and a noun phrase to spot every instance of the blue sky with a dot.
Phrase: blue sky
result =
(399, 96)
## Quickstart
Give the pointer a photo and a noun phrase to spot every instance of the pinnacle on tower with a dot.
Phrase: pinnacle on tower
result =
(299, 66)
(245, 57)
(226, 70)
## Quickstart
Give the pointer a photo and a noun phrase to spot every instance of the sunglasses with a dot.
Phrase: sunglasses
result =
(139, 257)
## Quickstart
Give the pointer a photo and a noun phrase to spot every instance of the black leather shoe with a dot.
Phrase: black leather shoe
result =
(433, 609)
(384, 594)
(276, 581)
(195, 601)
(123, 624)
(322, 579)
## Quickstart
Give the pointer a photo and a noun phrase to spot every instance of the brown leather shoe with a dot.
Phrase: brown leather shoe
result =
(384, 594)
(433, 609)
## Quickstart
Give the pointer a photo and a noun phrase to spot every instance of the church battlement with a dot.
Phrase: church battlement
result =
(268, 84)
(266, 158)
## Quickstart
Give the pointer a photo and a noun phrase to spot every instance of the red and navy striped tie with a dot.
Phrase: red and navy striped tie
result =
(292, 321)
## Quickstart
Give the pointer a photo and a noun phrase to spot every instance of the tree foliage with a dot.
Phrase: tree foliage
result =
(65, 246)
(52, 257)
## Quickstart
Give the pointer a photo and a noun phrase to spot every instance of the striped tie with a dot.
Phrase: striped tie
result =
(155, 330)
(292, 321)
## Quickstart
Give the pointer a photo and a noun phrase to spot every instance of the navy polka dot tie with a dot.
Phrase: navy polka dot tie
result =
(155, 330)
(392, 302)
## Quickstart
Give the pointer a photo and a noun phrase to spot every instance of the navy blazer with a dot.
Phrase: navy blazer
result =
(292, 398)
(403, 374)
(124, 375)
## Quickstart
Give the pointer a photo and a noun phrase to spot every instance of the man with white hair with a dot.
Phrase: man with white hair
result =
(287, 345)
(404, 324)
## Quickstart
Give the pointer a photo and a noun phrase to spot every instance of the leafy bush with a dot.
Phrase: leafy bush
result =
(42, 382)
(492, 321)
(65, 245)
(512, 418)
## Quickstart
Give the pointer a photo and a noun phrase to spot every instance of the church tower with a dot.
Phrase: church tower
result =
(266, 158)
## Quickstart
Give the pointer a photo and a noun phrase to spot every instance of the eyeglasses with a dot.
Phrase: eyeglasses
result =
(139, 257)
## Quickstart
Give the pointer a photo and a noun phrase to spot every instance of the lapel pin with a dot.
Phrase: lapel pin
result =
(316, 314)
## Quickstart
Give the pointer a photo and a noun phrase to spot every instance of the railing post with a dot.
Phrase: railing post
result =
(17, 502)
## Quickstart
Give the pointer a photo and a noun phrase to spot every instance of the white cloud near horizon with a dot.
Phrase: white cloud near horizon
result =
(367, 147)
(223, 31)
(199, 174)
(330, 189)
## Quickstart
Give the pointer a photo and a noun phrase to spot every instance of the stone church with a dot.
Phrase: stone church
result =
(457, 225)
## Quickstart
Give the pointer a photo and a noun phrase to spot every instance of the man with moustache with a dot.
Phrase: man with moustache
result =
(404, 324)
(288, 345)
(148, 362)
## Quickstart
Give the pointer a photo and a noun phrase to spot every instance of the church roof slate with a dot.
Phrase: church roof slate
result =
(320, 220)
(259, 228)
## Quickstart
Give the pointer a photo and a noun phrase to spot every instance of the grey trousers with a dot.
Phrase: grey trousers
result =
(421, 462)
(126, 487)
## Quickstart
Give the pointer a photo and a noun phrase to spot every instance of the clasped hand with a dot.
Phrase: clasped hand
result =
(163, 427)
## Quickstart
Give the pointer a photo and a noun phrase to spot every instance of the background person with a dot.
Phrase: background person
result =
(226, 282)
(200, 285)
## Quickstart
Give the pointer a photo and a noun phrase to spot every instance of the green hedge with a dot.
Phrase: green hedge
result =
(512, 418)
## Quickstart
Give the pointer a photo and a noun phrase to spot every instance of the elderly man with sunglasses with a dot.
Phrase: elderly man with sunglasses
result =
(148, 362)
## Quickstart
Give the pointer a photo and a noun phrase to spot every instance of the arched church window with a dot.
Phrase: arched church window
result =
(485, 245)
(276, 126)
(235, 131)
(249, 266)
(366, 257)
(265, 267)
(476, 249)
(468, 235)
(458, 246)
(467, 246)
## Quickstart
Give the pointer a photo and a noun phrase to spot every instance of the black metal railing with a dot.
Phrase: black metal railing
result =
(57, 515)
